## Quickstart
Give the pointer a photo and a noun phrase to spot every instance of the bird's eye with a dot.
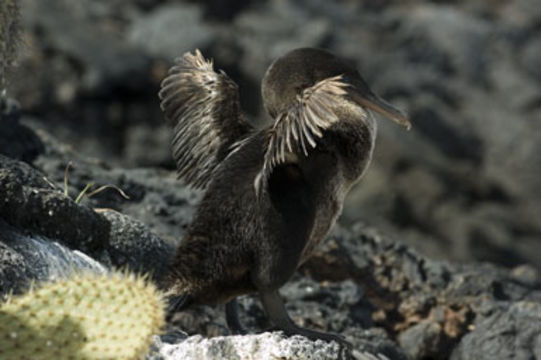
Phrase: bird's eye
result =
(345, 78)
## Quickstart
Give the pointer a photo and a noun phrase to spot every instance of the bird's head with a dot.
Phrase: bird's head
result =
(288, 76)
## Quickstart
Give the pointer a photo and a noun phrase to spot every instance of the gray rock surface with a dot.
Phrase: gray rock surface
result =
(181, 24)
(29, 258)
(265, 346)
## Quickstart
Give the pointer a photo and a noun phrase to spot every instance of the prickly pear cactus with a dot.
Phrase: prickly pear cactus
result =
(86, 317)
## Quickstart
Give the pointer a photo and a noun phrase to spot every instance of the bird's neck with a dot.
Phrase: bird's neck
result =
(353, 140)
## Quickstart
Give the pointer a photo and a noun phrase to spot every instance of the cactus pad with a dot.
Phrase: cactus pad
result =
(89, 316)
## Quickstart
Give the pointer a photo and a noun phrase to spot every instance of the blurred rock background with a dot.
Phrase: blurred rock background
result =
(463, 184)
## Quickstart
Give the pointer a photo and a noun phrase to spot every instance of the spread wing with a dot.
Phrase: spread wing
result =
(297, 129)
(203, 108)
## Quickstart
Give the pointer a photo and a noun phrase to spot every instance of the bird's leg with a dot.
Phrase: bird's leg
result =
(276, 311)
(232, 318)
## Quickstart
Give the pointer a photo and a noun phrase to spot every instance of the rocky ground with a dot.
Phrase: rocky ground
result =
(461, 187)
(389, 301)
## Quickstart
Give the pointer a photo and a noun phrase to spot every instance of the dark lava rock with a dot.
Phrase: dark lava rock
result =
(429, 306)
(16, 140)
(46, 234)
(132, 245)
(12, 267)
(511, 332)
(47, 211)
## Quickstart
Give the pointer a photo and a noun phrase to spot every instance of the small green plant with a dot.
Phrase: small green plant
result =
(89, 316)
(88, 187)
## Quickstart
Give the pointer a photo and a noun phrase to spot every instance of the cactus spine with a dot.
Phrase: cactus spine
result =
(86, 317)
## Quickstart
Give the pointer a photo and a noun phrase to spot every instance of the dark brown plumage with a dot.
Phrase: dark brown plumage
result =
(271, 195)
(203, 108)
(300, 125)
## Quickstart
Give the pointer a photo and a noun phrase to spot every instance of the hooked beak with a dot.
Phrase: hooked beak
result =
(373, 102)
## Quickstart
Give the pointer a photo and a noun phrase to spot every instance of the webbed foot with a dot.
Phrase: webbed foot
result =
(277, 313)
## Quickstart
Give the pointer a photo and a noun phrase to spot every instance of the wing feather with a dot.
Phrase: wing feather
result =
(297, 129)
(202, 106)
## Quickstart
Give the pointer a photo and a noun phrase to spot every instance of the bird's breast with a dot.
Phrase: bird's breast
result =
(325, 219)
(328, 189)
(346, 154)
